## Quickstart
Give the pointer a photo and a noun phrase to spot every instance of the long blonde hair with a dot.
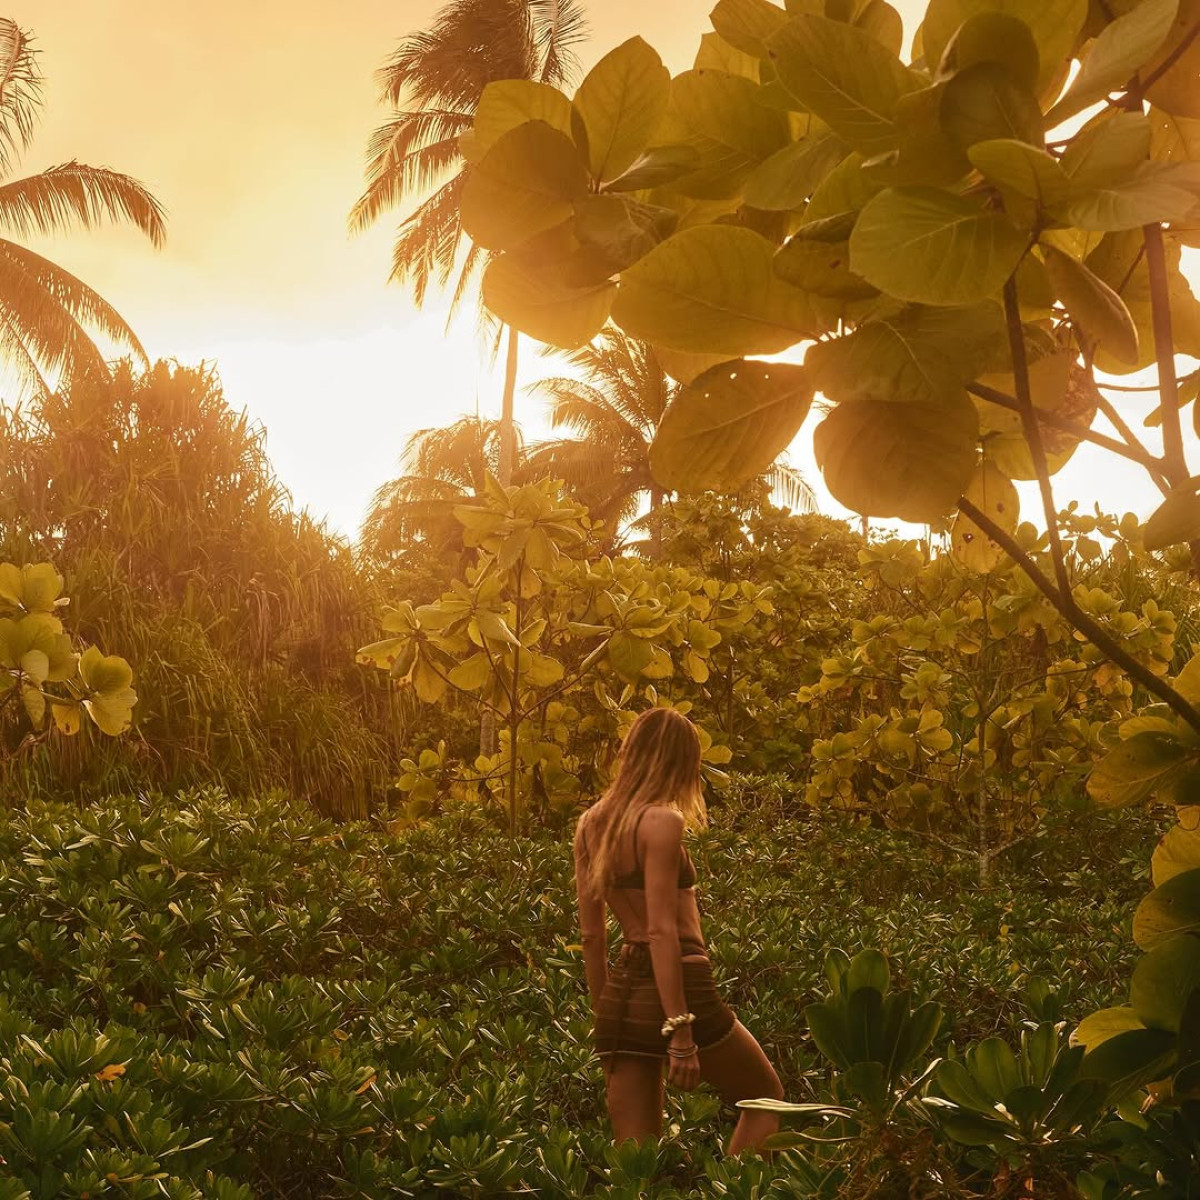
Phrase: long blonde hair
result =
(659, 764)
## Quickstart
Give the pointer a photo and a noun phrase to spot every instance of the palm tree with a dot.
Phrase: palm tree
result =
(443, 466)
(614, 410)
(434, 81)
(48, 317)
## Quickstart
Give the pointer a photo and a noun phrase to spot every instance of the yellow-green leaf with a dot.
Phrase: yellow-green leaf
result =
(540, 304)
(66, 718)
(1027, 170)
(748, 24)
(729, 426)
(1055, 25)
(112, 712)
(1120, 48)
(1097, 312)
(525, 184)
(1179, 849)
(712, 289)
(845, 76)
(1135, 769)
(906, 460)
(507, 103)
(619, 105)
(934, 247)
(1177, 519)
(993, 494)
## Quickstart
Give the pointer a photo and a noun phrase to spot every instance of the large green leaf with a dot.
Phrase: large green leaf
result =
(926, 354)
(726, 110)
(1164, 980)
(1135, 769)
(1173, 907)
(619, 106)
(846, 77)
(1173, 138)
(507, 103)
(822, 268)
(934, 247)
(910, 461)
(984, 102)
(537, 303)
(1055, 25)
(1156, 192)
(1097, 1028)
(712, 289)
(1022, 168)
(1097, 312)
(845, 189)
(748, 24)
(525, 184)
(1107, 150)
(716, 54)
(1179, 849)
(729, 425)
(993, 37)
(1176, 520)
(1121, 47)
(790, 176)
(1176, 67)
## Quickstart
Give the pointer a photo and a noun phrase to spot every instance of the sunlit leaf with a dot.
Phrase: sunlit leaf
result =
(619, 105)
(993, 494)
(729, 426)
(712, 289)
(934, 247)
(906, 460)
(1097, 312)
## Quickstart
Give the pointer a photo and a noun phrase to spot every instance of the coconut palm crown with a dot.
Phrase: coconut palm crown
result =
(48, 317)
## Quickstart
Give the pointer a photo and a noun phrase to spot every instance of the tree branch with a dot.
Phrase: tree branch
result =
(1156, 466)
(1064, 604)
(1033, 431)
(1134, 451)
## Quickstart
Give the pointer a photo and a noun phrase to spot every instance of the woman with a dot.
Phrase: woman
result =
(660, 1004)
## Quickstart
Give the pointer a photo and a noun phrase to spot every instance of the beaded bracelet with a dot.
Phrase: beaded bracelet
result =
(673, 1023)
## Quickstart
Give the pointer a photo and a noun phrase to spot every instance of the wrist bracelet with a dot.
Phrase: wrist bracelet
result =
(679, 1052)
(673, 1023)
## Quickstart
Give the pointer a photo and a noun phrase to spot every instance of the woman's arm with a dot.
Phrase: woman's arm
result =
(662, 832)
(592, 926)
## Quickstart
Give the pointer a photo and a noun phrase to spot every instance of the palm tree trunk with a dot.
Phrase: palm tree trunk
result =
(508, 426)
(656, 499)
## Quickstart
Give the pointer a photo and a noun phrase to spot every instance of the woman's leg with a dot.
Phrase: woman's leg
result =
(635, 1097)
(739, 1070)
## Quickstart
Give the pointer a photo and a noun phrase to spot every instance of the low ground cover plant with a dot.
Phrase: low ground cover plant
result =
(208, 996)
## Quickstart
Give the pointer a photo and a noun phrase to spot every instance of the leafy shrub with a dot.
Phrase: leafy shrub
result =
(157, 502)
(236, 994)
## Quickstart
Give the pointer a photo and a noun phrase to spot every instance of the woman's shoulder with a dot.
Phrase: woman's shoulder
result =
(662, 822)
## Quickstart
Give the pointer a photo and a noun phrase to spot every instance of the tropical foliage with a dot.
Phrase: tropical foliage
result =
(555, 644)
(418, 159)
(314, 1010)
(240, 615)
(47, 684)
(959, 254)
(51, 318)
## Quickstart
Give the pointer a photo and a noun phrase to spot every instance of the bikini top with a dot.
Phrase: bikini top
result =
(635, 880)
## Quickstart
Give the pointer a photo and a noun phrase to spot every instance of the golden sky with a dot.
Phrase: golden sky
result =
(249, 121)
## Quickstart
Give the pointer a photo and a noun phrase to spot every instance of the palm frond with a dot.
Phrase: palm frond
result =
(790, 488)
(82, 303)
(409, 154)
(471, 43)
(558, 27)
(473, 264)
(49, 202)
(30, 383)
(20, 92)
(56, 342)
(426, 247)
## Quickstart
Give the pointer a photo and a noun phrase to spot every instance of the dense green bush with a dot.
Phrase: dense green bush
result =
(205, 994)
(239, 614)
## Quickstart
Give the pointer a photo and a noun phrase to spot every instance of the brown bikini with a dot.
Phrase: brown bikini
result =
(629, 1013)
